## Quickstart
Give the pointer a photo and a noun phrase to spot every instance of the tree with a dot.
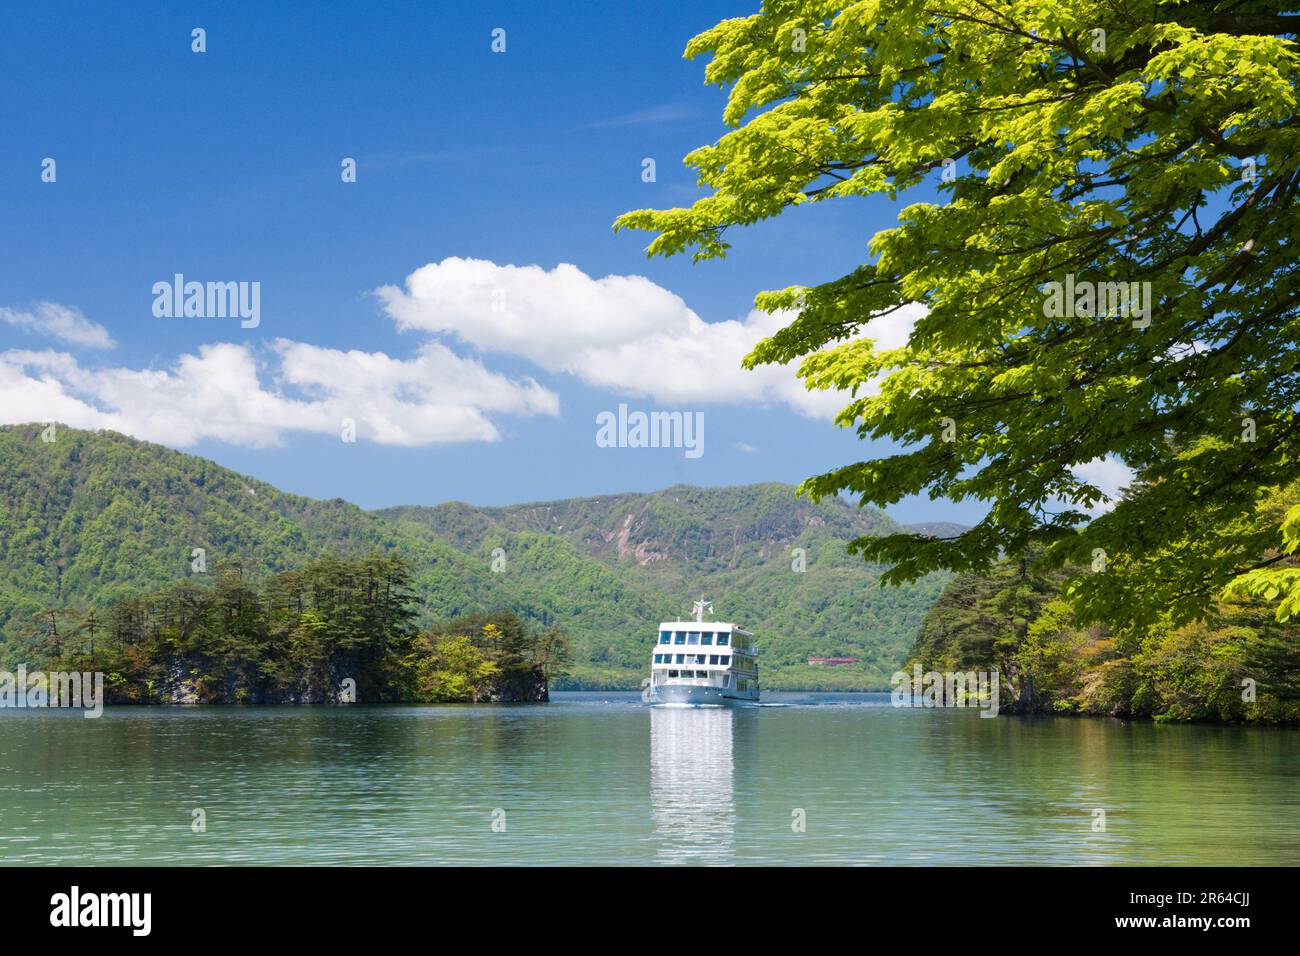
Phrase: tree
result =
(1100, 266)
(89, 626)
(552, 653)
(452, 668)
(51, 631)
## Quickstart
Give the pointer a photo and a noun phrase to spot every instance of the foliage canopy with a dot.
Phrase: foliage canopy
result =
(1048, 141)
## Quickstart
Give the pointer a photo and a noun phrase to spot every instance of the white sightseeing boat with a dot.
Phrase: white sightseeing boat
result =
(703, 662)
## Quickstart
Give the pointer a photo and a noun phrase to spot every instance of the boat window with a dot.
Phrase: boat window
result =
(681, 659)
(693, 637)
(672, 673)
(680, 638)
(713, 658)
(701, 673)
(725, 659)
(723, 639)
(664, 637)
(706, 639)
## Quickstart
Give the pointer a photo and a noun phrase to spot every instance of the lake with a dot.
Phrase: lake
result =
(601, 778)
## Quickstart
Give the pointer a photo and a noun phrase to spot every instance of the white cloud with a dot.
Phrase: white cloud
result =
(437, 396)
(621, 333)
(624, 333)
(1109, 475)
(547, 317)
(63, 322)
(223, 393)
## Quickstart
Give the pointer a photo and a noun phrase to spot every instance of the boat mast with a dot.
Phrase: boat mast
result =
(702, 606)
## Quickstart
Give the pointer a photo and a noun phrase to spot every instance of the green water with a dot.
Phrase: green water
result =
(600, 778)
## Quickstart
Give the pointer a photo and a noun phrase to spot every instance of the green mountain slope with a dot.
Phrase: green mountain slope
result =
(95, 516)
(735, 545)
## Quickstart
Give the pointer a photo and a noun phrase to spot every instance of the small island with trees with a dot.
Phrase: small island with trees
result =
(337, 630)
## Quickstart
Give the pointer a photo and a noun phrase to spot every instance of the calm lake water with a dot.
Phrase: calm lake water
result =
(601, 778)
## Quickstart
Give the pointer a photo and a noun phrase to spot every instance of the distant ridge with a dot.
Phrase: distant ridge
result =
(96, 515)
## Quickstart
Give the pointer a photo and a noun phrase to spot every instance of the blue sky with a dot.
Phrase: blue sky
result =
(225, 166)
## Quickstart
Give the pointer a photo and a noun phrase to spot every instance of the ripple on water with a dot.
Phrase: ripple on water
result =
(602, 778)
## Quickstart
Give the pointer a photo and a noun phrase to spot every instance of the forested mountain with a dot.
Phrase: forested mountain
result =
(91, 518)
(739, 546)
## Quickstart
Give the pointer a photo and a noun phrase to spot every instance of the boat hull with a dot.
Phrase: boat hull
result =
(694, 695)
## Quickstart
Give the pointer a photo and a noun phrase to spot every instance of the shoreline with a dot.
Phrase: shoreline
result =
(177, 706)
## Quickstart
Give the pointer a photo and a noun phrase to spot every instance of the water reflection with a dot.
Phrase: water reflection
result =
(582, 784)
(692, 784)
